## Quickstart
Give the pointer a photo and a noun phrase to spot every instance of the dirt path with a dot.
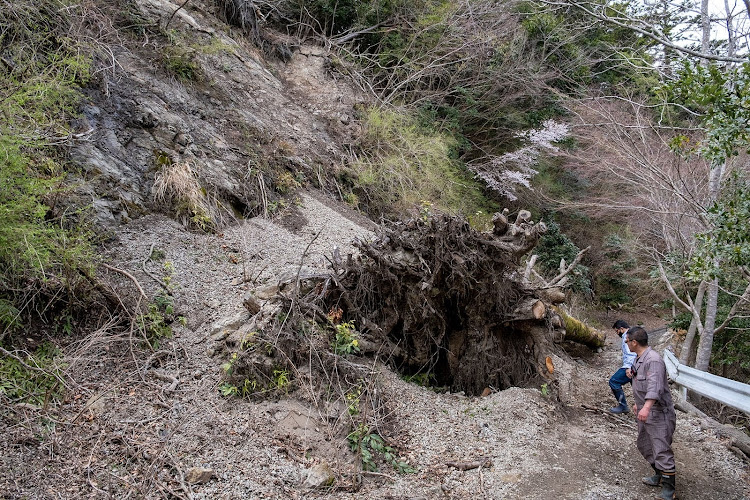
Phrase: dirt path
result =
(127, 430)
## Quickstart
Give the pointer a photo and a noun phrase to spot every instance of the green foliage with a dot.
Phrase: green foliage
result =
(333, 17)
(346, 340)
(402, 165)
(580, 51)
(156, 322)
(182, 63)
(9, 315)
(616, 277)
(553, 246)
(727, 244)
(353, 398)
(281, 382)
(722, 96)
(39, 249)
(370, 445)
(423, 379)
(226, 389)
(21, 384)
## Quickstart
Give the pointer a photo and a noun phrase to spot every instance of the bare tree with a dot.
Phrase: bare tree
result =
(664, 196)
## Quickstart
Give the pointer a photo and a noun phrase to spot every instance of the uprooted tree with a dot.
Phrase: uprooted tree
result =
(436, 297)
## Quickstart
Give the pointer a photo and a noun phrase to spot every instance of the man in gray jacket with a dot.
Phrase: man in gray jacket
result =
(654, 410)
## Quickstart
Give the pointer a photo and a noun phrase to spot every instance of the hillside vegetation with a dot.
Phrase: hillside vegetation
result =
(159, 169)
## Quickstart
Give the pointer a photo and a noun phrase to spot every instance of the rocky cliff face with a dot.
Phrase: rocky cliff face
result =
(206, 96)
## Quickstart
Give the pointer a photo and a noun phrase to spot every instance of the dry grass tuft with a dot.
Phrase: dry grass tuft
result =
(177, 185)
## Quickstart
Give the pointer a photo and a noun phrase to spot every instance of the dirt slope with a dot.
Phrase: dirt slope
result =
(128, 430)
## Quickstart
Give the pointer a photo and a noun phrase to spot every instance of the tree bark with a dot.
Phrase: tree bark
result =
(687, 345)
(703, 358)
(706, 29)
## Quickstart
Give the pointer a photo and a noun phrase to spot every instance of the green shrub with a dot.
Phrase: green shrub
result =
(156, 322)
(553, 246)
(39, 387)
(182, 63)
(370, 445)
(44, 257)
(346, 340)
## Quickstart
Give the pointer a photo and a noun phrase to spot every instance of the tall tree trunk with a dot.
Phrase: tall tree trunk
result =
(706, 28)
(705, 345)
(687, 345)
(732, 39)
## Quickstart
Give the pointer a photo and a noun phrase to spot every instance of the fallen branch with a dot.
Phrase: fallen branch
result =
(737, 439)
(150, 274)
(482, 462)
(128, 275)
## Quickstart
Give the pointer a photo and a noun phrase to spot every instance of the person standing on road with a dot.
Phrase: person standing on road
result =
(654, 410)
(620, 377)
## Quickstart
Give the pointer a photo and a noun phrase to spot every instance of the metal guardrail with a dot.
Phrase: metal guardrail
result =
(730, 392)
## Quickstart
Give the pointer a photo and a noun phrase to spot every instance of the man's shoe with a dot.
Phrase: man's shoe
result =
(654, 480)
(619, 409)
(620, 397)
(667, 486)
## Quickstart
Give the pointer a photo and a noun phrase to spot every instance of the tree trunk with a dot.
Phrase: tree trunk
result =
(706, 29)
(705, 345)
(576, 331)
(732, 39)
(687, 345)
(703, 357)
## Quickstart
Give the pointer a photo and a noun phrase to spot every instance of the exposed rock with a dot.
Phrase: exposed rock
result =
(319, 476)
(251, 303)
(199, 475)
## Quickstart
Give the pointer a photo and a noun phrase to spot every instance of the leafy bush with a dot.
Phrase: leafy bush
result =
(346, 340)
(553, 246)
(370, 445)
(156, 322)
(182, 63)
(616, 277)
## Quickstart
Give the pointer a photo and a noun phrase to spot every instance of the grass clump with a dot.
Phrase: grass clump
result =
(177, 185)
(182, 64)
(33, 380)
(403, 164)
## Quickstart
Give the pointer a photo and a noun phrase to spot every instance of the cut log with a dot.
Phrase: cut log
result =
(531, 308)
(500, 223)
(538, 310)
(552, 295)
(577, 331)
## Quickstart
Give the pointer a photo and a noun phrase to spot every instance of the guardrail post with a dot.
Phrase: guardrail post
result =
(683, 393)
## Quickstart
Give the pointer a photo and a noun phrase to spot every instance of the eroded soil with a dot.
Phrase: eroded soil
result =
(136, 421)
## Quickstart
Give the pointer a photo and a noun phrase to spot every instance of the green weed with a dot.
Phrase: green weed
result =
(370, 445)
(403, 164)
(156, 322)
(21, 384)
(346, 340)
(181, 63)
